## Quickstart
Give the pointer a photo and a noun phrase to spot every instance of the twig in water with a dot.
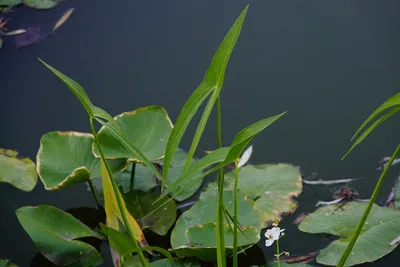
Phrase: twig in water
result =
(329, 182)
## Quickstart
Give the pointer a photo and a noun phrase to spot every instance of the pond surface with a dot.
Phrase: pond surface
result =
(328, 64)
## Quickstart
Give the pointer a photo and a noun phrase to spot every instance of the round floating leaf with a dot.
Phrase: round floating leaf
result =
(66, 158)
(10, 2)
(194, 231)
(176, 263)
(145, 180)
(54, 232)
(271, 186)
(381, 227)
(148, 129)
(19, 172)
(284, 264)
(140, 205)
(41, 4)
(7, 263)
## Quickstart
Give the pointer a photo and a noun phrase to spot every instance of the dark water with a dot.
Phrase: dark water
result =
(328, 63)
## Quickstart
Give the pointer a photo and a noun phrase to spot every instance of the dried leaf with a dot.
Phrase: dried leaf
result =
(300, 258)
(63, 19)
(299, 218)
(30, 37)
(395, 241)
(16, 32)
(330, 182)
(326, 203)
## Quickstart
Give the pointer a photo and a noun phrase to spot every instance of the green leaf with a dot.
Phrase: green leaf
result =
(7, 263)
(397, 198)
(284, 264)
(139, 204)
(381, 227)
(223, 156)
(10, 3)
(41, 4)
(271, 186)
(371, 128)
(66, 158)
(212, 81)
(148, 129)
(54, 232)
(99, 114)
(194, 231)
(175, 263)
(19, 172)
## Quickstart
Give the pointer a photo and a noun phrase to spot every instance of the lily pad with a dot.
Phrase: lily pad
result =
(271, 186)
(19, 172)
(284, 264)
(66, 158)
(140, 205)
(145, 180)
(54, 232)
(381, 227)
(148, 128)
(10, 3)
(7, 263)
(41, 4)
(194, 231)
(176, 263)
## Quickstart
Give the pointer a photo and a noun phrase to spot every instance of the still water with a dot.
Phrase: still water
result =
(329, 64)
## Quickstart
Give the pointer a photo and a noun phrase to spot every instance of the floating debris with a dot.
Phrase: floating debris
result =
(245, 156)
(327, 203)
(15, 32)
(346, 193)
(30, 37)
(67, 14)
(330, 182)
(302, 259)
(300, 218)
(395, 241)
(383, 162)
(390, 200)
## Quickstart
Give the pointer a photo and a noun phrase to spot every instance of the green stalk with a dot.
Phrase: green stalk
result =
(367, 210)
(278, 256)
(118, 196)
(221, 258)
(235, 216)
(94, 194)
(132, 184)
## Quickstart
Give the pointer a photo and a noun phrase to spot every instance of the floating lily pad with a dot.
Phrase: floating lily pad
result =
(7, 263)
(194, 231)
(176, 263)
(271, 186)
(381, 227)
(145, 180)
(41, 4)
(140, 205)
(19, 172)
(54, 232)
(66, 158)
(148, 128)
(10, 3)
(284, 264)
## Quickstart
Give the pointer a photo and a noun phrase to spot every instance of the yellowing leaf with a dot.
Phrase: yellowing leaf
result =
(113, 212)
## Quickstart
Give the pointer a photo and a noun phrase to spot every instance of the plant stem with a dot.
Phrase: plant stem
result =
(221, 258)
(94, 194)
(235, 216)
(367, 210)
(278, 257)
(132, 184)
(118, 197)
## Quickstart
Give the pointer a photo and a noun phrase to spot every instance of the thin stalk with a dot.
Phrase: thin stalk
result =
(235, 216)
(221, 258)
(94, 194)
(118, 197)
(367, 210)
(132, 184)
(278, 256)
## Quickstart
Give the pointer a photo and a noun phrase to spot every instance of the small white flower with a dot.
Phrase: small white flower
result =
(245, 156)
(272, 235)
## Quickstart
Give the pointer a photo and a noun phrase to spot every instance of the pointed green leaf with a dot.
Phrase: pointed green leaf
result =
(148, 129)
(54, 232)
(66, 158)
(381, 227)
(17, 171)
(212, 81)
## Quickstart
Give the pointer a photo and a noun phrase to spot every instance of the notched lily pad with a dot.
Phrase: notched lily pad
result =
(41, 4)
(381, 227)
(140, 205)
(66, 158)
(148, 129)
(54, 233)
(271, 186)
(199, 221)
(17, 171)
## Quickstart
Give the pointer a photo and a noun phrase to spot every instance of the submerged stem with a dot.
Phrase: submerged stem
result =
(118, 196)
(235, 216)
(221, 258)
(368, 209)
(94, 194)
(132, 184)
